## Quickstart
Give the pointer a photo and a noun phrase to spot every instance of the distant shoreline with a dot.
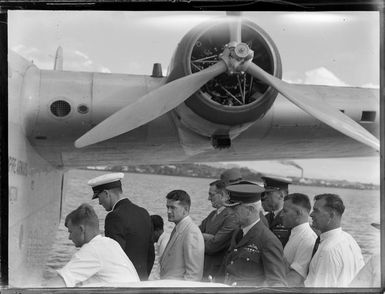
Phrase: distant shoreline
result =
(205, 171)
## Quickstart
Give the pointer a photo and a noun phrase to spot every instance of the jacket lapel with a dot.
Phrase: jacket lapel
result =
(174, 238)
(250, 235)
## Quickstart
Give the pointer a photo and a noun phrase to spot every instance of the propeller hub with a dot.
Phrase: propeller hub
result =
(242, 51)
(236, 57)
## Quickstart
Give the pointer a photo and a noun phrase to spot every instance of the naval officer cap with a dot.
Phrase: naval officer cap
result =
(105, 182)
(244, 192)
(276, 183)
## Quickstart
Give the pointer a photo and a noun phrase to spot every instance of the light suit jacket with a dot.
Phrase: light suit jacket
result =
(184, 254)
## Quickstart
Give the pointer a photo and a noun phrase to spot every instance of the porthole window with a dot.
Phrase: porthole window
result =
(60, 108)
(83, 109)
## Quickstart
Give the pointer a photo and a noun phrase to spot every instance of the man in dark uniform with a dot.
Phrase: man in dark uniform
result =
(255, 256)
(128, 224)
(217, 229)
(276, 188)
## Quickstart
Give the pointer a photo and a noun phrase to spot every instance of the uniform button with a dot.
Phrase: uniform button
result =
(235, 250)
(247, 259)
(231, 262)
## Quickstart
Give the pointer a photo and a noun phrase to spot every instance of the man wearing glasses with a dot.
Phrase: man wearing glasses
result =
(127, 223)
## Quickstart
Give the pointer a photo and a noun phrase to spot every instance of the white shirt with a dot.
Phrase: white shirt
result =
(162, 243)
(299, 247)
(220, 209)
(159, 249)
(99, 263)
(248, 228)
(336, 262)
(370, 274)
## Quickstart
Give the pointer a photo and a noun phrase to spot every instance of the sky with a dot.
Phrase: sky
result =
(339, 48)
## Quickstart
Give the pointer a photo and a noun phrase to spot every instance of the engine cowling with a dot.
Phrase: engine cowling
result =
(230, 102)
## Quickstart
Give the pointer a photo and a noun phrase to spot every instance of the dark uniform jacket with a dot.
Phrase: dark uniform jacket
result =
(256, 260)
(222, 227)
(277, 227)
(130, 225)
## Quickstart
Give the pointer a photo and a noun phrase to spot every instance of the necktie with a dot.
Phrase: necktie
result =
(172, 233)
(270, 217)
(239, 236)
(316, 244)
(169, 240)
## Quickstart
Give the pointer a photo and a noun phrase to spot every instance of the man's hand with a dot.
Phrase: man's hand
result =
(207, 237)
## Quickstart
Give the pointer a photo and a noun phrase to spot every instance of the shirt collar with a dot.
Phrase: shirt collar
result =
(299, 228)
(276, 212)
(247, 229)
(113, 207)
(220, 209)
(98, 236)
(330, 233)
(180, 224)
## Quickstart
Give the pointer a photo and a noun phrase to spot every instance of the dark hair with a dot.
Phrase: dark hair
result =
(219, 184)
(117, 190)
(299, 199)
(157, 222)
(180, 195)
(84, 214)
(332, 201)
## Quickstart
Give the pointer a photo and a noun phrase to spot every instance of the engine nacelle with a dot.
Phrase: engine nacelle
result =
(230, 102)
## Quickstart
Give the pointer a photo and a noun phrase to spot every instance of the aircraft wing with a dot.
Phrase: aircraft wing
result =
(224, 71)
(223, 97)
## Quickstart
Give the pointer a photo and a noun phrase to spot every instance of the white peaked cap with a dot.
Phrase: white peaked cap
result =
(105, 182)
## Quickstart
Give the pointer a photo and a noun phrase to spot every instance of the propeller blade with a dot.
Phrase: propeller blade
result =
(316, 107)
(235, 27)
(150, 106)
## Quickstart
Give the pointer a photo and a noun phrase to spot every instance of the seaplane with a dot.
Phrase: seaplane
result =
(223, 98)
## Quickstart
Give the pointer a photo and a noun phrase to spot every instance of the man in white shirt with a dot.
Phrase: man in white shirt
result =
(299, 248)
(100, 261)
(338, 257)
(370, 274)
(160, 241)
